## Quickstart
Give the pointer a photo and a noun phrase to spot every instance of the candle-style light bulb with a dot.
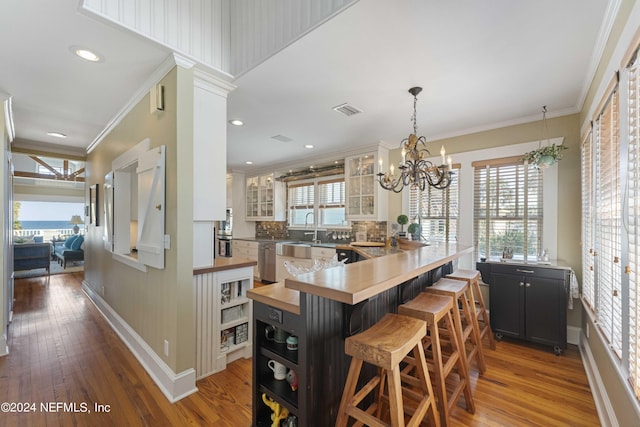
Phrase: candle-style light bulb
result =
(404, 155)
(391, 169)
(449, 162)
(380, 164)
(442, 153)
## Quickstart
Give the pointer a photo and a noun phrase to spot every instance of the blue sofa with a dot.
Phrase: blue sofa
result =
(27, 256)
(69, 251)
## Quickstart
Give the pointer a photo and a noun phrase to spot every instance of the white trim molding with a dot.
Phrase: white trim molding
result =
(4, 347)
(173, 386)
(606, 414)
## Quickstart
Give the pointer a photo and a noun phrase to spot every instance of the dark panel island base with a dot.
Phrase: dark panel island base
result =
(320, 364)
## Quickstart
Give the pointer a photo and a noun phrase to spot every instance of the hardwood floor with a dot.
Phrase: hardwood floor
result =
(62, 350)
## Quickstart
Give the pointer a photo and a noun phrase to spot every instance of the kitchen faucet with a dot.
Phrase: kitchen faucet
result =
(315, 227)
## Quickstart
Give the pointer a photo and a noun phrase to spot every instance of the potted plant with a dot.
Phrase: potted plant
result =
(415, 230)
(402, 220)
(545, 156)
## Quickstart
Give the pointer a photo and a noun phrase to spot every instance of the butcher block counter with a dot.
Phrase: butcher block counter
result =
(321, 309)
(353, 283)
(225, 263)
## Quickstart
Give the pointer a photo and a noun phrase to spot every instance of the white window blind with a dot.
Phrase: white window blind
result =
(608, 219)
(317, 202)
(633, 213)
(439, 210)
(301, 203)
(588, 290)
(507, 208)
(331, 202)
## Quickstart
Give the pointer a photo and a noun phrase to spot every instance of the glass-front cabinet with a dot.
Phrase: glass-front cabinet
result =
(365, 198)
(266, 198)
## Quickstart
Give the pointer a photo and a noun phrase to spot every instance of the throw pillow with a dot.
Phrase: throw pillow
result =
(75, 245)
(69, 241)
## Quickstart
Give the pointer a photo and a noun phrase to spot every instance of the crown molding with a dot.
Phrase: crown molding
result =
(167, 65)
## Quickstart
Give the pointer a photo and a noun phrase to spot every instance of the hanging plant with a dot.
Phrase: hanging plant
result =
(548, 155)
(545, 156)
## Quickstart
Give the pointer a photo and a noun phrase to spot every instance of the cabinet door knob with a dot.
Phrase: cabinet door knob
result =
(527, 285)
(521, 283)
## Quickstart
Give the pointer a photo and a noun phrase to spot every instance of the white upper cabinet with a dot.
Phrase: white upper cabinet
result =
(266, 198)
(366, 200)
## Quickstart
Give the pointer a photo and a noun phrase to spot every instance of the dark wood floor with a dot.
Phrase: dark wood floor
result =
(63, 351)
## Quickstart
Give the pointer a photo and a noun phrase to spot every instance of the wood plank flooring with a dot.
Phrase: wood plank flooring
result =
(62, 350)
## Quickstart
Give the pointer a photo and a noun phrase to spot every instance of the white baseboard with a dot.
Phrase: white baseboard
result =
(603, 405)
(4, 348)
(174, 386)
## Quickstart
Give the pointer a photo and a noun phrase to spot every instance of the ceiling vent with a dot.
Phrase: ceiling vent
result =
(347, 110)
(282, 138)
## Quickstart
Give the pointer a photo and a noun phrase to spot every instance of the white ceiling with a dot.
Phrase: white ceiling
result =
(482, 65)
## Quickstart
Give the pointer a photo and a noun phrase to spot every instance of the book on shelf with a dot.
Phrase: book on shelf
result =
(225, 293)
(241, 333)
(226, 338)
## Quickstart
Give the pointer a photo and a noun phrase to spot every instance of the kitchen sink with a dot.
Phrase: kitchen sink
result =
(294, 249)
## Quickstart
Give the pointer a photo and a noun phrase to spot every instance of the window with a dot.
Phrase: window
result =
(319, 202)
(139, 206)
(607, 222)
(588, 290)
(507, 208)
(611, 235)
(633, 231)
(439, 217)
(301, 203)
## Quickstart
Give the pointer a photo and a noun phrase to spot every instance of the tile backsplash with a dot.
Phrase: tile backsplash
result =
(376, 231)
(276, 230)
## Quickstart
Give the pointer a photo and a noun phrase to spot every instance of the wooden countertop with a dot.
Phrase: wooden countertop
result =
(225, 263)
(276, 295)
(356, 282)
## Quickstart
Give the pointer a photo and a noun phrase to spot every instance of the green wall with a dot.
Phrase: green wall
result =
(157, 304)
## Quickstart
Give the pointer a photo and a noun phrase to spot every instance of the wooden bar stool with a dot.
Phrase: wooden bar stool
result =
(437, 311)
(473, 277)
(385, 345)
(461, 293)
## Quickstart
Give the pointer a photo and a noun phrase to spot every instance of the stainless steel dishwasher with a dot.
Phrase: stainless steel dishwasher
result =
(267, 261)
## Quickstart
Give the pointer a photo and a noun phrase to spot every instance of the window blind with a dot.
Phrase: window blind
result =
(301, 198)
(507, 208)
(322, 197)
(633, 213)
(439, 210)
(607, 230)
(588, 290)
(331, 202)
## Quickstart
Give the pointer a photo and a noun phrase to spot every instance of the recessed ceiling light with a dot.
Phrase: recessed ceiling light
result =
(236, 122)
(248, 162)
(85, 54)
(57, 134)
(308, 146)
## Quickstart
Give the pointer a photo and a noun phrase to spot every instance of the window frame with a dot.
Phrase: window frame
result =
(448, 222)
(316, 208)
(522, 178)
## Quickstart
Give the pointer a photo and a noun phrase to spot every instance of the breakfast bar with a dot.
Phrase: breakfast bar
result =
(321, 309)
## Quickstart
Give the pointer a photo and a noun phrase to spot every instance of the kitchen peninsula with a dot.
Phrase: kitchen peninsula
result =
(321, 309)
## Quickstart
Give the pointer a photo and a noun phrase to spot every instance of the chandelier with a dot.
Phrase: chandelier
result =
(414, 169)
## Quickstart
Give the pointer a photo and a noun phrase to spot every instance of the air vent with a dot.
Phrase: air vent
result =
(347, 110)
(282, 138)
